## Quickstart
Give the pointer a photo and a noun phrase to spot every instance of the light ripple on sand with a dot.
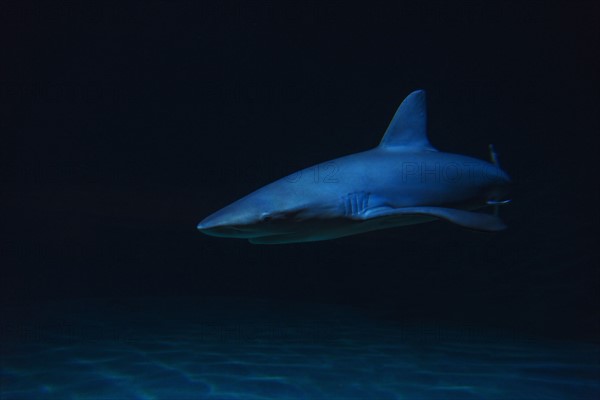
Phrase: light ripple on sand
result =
(244, 352)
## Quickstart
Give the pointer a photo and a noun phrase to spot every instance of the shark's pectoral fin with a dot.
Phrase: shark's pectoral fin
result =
(468, 219)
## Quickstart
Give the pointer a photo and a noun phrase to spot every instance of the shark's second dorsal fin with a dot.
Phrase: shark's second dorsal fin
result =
(408, 129)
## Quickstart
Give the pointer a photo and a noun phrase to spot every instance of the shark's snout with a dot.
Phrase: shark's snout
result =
(207, 224)
(223, 225)
(212, 229)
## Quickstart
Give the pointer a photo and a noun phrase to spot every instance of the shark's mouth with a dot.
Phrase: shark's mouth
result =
(243, 232)
(291, 237)
(229, 231)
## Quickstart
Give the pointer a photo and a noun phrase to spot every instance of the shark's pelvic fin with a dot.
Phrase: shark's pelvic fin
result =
(467, 219)
(408, 129)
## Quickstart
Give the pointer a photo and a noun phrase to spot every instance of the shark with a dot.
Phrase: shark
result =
(402, 181)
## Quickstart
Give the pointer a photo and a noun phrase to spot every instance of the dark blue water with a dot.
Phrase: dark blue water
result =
(246, 349)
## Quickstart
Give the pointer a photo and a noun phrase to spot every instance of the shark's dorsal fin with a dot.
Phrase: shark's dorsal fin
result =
(408, 129)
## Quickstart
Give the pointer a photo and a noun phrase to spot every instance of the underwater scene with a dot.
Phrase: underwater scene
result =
(299, 200)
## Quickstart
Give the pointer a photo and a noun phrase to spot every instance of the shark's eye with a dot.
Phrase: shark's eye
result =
(265, 217)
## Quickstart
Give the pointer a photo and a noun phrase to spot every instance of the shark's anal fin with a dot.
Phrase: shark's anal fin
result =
(468, 219)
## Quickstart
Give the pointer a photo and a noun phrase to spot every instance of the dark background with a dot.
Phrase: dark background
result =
(127, 123)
